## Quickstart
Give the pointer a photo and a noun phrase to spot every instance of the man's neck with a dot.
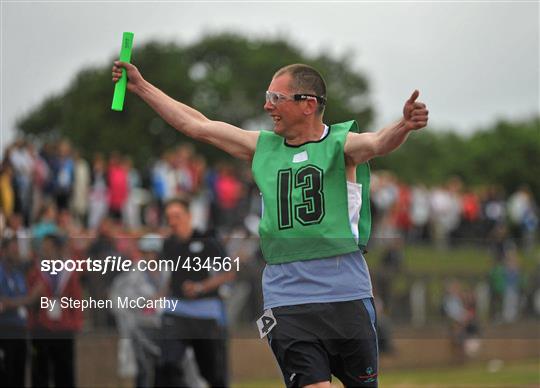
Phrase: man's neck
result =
(185, 235)
(312, 132)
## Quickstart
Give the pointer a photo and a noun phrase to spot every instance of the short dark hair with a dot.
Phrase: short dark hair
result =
(184, 202)
(305, 79)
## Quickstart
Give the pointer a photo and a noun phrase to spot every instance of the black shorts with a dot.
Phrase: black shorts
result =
(313, 341)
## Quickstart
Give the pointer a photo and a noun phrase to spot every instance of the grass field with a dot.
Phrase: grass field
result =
(502, 375)
(470, 264)
(462, 261)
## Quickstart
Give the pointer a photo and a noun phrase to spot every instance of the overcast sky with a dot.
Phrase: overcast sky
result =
(473, 62)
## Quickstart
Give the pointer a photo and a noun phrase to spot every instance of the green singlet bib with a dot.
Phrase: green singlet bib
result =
(305, 203)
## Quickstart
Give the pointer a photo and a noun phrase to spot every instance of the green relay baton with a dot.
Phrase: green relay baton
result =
(120, 86)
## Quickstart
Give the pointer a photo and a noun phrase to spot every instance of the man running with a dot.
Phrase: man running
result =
(319, 313)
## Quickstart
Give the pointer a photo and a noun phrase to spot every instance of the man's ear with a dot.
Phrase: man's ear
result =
(311, 107)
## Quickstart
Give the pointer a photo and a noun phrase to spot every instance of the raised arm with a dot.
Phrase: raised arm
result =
(237, 142)
(361, 147)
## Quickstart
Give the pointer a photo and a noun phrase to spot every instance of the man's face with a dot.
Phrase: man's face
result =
(286, 114)
(178, 219)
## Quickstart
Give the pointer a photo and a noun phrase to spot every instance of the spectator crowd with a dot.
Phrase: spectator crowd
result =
(224, 195)
(55, 203)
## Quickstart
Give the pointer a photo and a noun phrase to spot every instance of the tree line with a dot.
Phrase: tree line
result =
(225, 76)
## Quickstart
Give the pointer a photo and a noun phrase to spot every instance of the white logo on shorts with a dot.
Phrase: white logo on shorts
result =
(266, 323)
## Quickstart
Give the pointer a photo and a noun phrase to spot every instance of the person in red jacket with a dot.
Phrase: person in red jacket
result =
(53, 329)
(117, 179)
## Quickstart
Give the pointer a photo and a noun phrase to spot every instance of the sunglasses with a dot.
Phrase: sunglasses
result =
(276, 98)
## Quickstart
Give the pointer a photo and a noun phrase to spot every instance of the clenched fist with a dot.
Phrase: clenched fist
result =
(134, 77)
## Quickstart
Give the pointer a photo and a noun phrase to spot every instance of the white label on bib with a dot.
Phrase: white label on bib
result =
(300, 157)
(266, 323)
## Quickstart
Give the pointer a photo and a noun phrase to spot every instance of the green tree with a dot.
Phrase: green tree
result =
(224, 76)
(508, 155)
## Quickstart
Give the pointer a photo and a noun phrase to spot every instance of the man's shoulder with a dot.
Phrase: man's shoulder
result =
(269, 142)
(348, 126)
(170, 241)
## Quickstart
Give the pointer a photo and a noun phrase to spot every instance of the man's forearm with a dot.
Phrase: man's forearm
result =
(391, 137)
(180, 116)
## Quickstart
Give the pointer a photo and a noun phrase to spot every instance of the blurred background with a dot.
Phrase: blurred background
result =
(454, 254)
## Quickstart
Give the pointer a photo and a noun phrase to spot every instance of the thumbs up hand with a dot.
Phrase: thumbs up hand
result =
(415, 113)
